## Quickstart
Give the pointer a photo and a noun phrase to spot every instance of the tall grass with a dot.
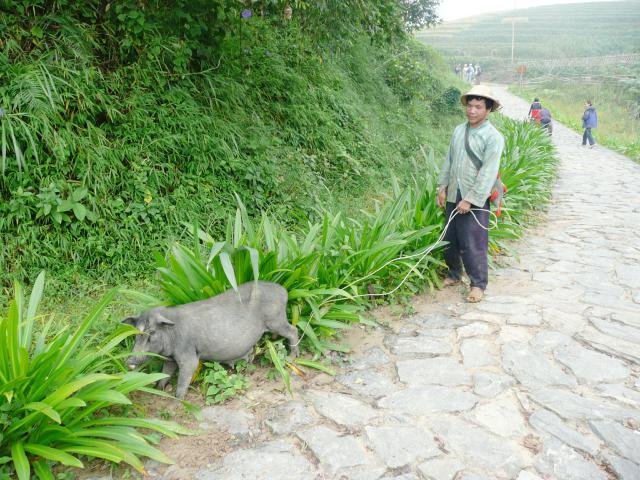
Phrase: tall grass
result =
(330, 268)
(528, 169)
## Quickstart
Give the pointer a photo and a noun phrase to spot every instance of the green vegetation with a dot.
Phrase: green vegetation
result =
(56, 387)
(334, 268)
(233, 145)
(571, 53)
(219, 385)
(121, 125)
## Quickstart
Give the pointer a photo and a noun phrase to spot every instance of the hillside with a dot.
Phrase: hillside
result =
(122, 125)
(541, 33)
(563, 54)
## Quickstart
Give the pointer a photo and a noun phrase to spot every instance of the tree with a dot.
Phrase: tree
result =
(419, 13)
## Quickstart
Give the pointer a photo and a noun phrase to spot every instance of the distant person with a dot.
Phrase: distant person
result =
(457, 69)
(545, 120)
(535, 110)
(471, 73)
(478, 72)
(589, 121)
(463, 186)
(465, 72)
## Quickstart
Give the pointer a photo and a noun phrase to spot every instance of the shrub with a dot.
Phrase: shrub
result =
(219, 385)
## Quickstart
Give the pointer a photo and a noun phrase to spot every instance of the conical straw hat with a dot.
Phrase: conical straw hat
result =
(481, 91)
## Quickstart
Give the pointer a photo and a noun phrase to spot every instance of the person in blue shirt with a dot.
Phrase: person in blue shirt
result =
(589, 121)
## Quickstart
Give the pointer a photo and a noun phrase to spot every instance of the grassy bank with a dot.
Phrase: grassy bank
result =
(105, 166)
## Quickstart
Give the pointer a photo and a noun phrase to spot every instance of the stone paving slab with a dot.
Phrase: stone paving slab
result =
(401, 445)
(271, 461)
(550, 423)
(333, 450)
(480, 448)
(446, 371)
(541, 380)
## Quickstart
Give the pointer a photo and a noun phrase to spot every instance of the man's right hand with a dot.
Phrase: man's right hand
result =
(442, 197)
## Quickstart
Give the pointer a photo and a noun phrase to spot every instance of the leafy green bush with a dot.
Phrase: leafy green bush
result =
(60, 394)
(330, 270)
(528, 168)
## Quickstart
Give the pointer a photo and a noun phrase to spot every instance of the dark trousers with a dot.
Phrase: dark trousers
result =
(468, 244)
(587, 136)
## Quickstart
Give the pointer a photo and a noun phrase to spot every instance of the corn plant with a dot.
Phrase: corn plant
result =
(60, 394)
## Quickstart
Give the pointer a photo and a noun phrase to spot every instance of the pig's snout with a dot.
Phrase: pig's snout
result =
(134, 361)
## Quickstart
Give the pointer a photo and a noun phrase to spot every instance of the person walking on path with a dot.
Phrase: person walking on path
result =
(545, 120)
(478, 72)
(462, 187)
(589, 121)
(535, 110)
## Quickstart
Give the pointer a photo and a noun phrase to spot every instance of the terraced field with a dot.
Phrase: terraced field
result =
(553, 32)
(564, 54)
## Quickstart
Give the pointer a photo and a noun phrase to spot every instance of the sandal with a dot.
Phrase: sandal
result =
(448, 282)
(475, 295)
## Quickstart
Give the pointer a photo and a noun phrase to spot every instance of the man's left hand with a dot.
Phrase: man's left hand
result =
(463, 206)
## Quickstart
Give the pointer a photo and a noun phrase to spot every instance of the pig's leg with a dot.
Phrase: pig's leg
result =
(169, 368)
(187, 366)
(283, 328)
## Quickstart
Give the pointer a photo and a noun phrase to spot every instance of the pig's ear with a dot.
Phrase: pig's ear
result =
(164, 321)
(130, 321)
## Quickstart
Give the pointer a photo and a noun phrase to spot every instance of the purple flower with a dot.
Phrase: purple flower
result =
(246, 13)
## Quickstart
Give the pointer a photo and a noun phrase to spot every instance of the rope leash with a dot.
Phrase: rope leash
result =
(427, 251)
(493, 223)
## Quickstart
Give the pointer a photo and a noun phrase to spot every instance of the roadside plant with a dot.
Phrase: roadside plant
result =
(528, 168)
(335, 267)
(338, 266)
(61, 393)
(328, 269)
(220, 385)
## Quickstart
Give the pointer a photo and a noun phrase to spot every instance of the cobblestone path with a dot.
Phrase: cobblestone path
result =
(539, 381)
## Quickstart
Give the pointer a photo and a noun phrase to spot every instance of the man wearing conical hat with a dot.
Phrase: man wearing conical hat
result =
(464, 187)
